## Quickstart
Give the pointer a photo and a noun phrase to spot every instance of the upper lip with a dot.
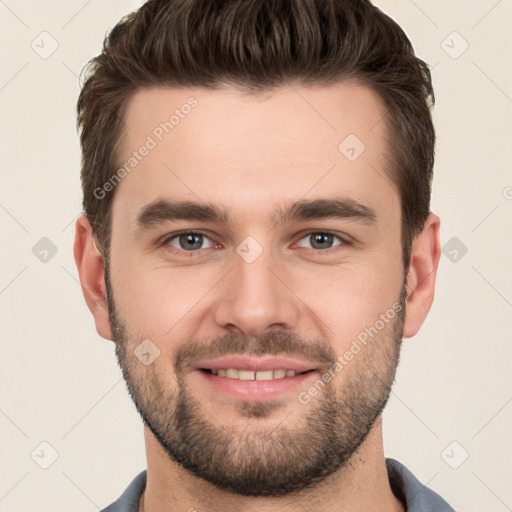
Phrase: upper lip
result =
(254, 364)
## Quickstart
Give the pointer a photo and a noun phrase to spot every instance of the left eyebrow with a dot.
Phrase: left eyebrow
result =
(326, 209)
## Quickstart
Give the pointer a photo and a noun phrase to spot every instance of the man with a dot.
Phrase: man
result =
(257, 241)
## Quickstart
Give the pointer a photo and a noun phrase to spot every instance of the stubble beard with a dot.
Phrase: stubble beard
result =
(293, 454)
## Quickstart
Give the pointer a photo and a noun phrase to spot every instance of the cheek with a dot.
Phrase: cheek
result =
(337, 301)
(349, 299)
(160, 301)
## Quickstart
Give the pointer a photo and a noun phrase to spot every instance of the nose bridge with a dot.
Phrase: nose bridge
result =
(253, 298)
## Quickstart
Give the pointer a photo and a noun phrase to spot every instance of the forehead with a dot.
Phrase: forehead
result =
(253, 152)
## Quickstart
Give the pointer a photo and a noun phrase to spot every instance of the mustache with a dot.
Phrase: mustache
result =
(275, 343)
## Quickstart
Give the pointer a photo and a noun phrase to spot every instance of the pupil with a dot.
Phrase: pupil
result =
(321, 241)
(191, 241)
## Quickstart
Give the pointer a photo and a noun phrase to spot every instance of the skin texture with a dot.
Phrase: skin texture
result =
(251, 156)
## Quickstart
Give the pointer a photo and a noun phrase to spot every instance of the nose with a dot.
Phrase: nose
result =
(255, 297)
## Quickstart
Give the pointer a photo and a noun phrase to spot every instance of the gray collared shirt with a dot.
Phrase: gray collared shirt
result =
(414, 495)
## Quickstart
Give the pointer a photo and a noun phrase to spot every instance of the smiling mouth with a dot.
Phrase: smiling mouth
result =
(233, 373)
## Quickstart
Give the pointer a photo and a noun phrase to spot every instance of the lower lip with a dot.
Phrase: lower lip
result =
(257, 389)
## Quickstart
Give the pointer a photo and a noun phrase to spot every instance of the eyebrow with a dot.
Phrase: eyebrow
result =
(163, 210)
(318, 209)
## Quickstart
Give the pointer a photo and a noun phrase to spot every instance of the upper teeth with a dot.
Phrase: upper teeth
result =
(233, 373)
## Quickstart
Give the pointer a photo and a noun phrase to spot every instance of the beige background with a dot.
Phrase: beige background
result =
(59, 380)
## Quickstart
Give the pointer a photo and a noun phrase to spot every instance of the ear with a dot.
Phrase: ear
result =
(92, 275)
(421, 278)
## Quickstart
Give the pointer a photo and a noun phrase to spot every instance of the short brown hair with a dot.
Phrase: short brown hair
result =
(258, 45)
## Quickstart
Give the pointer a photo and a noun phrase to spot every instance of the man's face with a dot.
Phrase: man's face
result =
(301, 259)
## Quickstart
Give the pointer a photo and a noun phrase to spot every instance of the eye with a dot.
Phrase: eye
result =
(189, 241)
(320, 240)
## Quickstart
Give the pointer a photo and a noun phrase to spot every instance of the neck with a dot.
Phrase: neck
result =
(361, 485)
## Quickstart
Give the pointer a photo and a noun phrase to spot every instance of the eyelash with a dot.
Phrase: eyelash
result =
(343, 241)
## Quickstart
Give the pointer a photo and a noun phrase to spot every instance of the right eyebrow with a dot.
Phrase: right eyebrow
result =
(163, 210)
